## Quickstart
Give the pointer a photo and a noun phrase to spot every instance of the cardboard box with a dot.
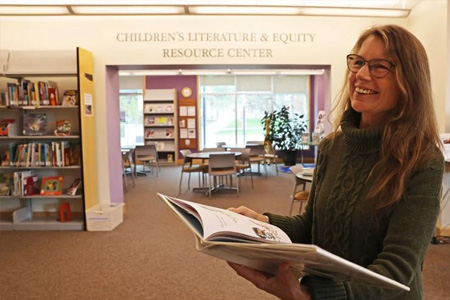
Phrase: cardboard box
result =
(104, 217)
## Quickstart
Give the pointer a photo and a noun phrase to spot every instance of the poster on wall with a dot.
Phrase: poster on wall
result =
(183, 111)
(183, 133)
(191, 111)
(88, 108)
(191, 123)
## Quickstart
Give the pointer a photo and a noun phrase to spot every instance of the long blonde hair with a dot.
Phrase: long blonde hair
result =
(410, 135)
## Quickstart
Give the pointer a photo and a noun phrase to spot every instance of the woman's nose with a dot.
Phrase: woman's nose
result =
(364, 73)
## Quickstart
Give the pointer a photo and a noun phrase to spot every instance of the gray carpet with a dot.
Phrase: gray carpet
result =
(151, 255)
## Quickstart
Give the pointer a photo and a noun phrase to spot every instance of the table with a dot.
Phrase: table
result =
(205, 155)
(307, 178)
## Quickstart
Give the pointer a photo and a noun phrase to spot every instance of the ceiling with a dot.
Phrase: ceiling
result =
(371, 8)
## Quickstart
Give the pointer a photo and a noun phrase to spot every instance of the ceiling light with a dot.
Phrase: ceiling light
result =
(243, 10)
(360, 12)
(6, 10)
(127, 10)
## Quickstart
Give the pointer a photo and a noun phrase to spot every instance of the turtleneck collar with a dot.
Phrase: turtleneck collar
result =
(362, 141)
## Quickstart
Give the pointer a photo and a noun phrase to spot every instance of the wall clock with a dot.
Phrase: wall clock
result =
(186, 92)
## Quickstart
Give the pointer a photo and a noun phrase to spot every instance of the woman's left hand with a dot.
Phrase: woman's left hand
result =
(284, 285)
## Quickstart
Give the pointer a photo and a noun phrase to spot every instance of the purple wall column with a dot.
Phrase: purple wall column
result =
(113, 135)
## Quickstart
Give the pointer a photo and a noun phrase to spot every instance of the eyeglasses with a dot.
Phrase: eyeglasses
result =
(378, 67)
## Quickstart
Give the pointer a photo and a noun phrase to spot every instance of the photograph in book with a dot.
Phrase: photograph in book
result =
(236, 238)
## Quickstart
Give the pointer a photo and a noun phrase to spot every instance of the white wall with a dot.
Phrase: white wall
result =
(334, 37)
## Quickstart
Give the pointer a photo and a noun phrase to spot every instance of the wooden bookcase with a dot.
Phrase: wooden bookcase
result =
(161, 123)
(19, 211)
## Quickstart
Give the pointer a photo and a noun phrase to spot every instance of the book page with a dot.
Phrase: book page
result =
(224, 225)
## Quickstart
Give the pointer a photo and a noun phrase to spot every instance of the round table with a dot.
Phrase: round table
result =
(308, 178)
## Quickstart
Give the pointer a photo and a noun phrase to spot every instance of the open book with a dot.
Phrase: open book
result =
(261, 246)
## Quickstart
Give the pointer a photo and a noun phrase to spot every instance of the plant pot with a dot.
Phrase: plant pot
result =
(290, 157)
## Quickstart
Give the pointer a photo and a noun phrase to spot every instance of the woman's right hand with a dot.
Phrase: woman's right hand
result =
(243, 210)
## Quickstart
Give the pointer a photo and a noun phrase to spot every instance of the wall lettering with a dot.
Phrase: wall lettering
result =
(208, 42)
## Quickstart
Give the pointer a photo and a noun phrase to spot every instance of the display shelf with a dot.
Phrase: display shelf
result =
(30, 89)
(161, 122)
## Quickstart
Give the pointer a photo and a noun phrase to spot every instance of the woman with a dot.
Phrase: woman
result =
(376, 190)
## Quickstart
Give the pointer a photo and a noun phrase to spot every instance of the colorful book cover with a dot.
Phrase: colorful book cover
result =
(63, 128)
(34, 124)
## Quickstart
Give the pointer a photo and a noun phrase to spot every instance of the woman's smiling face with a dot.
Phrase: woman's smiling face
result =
(371, 96)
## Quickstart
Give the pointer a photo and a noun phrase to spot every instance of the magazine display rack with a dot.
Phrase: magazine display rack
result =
(39, 149)
(161, 123)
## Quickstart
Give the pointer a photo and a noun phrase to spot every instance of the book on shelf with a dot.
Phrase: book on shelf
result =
(4, 98)
(149, 108)
(160, 146)
(149, 121)
(75, 187)
(149, 133)
(5, 158)
(169, 133)
(63, 128)
(43, 93)
(5, 126)
(34, 124)
(6, 184)
(262, 246)
(70, 98)
(52, 185)
(53, 96)
(30, 185)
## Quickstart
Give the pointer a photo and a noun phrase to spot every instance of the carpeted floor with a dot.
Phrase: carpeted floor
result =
(151, 255)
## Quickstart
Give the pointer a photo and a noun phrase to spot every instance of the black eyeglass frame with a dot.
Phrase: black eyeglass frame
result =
(391, 64)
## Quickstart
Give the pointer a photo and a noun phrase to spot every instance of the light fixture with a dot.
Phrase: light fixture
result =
(355, 12)
(127, 10)
(22, 10)
(243, 10)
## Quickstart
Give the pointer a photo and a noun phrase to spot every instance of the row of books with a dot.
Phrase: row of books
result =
(37, 154)
(158, 108)
(158, 121)
(27, 183)
(27, 93)
(158, 133)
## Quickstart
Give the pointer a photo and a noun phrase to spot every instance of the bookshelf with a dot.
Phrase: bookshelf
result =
(161, 123)
(37, 148)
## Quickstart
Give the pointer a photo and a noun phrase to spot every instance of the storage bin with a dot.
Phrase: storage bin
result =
(104, 217)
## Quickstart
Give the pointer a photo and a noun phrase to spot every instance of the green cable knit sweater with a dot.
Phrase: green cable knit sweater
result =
(339, 218)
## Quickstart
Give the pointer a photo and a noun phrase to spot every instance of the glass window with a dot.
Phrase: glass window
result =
(232, 106)
(131, 114)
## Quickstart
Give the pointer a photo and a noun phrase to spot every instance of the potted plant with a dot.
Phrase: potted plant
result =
(284, 130)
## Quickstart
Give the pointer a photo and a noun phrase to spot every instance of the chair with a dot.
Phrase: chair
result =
(221, 165)
(257, 155)
(243, 162)
(220, 144)
(188, 167)
(271, 157)
(128, 162)
(254, 143)
(147, 155)
(298, 196)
